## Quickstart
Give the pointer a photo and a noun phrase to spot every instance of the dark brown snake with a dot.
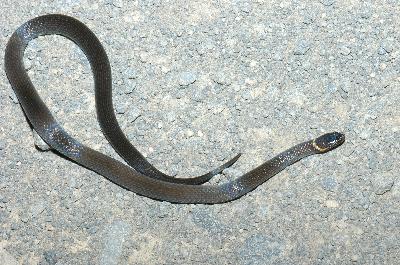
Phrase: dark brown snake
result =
(142, 178)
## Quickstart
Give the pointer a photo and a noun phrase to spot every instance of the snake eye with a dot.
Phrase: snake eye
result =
(331, 138)
(328, 141)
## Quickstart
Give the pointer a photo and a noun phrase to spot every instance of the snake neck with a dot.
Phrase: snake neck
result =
(254, 178)
(292, 155)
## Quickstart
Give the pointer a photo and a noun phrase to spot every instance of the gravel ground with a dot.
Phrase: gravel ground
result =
(196, 82)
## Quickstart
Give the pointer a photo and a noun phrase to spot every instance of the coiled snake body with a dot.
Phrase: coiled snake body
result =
(143, 178)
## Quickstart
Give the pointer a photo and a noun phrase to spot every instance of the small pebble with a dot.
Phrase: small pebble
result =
(189, 133)
(14, 98)
(50, 256)
(117, 3)
(133, 113)
(222, 78)
(331, 88)
(327, 2)
(331, 204)
(365, 134)
(28, 64)
(302, 48)
(355, 258)
(120, 108)
(2, 144)
(129, 86)
(343, 91)
(130, 73)
(187, 78)
(382, 51)
(144, 57)
(345, 50)
(39, 142)
(382, 184)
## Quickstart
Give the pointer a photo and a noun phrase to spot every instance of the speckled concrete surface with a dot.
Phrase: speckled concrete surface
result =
(196, 82)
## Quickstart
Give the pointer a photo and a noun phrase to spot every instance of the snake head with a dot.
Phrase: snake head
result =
(328, 142)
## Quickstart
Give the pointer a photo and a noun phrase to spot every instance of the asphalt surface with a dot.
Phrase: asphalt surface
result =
(196, 82)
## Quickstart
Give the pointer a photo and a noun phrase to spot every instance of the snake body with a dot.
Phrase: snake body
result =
(141, 178)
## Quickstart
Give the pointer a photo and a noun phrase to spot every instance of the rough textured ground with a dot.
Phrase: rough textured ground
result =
(196, 82)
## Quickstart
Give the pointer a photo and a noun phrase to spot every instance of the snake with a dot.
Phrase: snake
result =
(139, 176)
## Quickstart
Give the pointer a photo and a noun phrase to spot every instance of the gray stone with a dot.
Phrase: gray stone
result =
(116, 3)
(133, 113)
(187, 78)
(2, 144)
(130, 86)
(39, 142)
(51, 257)
(344, 50)
(131, 73)
(382, 51)
(343, 92)
(3, 199)
(222, 78)
(331, 88)
(327, 2)
(38, 208)
(120, 107)
(302, 47)
(382, 184)
(14, 98)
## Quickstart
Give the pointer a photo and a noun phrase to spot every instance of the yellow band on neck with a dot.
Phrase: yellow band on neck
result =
(318, 148)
